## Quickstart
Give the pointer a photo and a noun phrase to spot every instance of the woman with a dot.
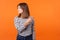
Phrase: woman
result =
(24, 23)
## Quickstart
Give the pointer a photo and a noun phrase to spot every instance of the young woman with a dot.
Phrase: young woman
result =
(24, 23)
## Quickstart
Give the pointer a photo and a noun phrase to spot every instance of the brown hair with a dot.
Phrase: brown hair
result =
(24, 6)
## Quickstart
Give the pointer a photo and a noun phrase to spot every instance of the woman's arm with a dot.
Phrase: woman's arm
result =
(21, 27)
(33, 31)
(17, 24)
(28, 22)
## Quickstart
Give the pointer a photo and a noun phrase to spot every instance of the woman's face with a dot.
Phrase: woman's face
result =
(20, 10)
(23, 13)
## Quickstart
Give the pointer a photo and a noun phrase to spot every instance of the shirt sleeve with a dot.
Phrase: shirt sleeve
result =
(33, 30)
(17, 25)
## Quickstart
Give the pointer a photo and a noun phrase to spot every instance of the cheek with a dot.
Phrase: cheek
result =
(20, 10)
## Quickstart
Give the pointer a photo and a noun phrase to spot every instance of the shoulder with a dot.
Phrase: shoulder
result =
(15, 18)
(32, 19)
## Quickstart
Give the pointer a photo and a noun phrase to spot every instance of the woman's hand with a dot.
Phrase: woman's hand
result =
(28, 22)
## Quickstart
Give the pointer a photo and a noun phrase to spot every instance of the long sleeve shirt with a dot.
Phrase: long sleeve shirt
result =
(19, 25)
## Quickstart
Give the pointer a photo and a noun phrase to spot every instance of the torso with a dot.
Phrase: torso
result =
(28, 31)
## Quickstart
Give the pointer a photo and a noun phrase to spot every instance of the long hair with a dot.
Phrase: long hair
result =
(25, 8)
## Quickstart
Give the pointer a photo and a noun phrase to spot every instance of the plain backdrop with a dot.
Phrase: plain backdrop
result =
(46, 14)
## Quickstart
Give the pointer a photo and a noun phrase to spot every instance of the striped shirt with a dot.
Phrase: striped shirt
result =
(18, 22)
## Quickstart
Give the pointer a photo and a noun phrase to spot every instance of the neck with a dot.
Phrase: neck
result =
(24, 17)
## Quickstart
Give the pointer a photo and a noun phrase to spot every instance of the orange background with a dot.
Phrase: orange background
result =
(46, 15)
